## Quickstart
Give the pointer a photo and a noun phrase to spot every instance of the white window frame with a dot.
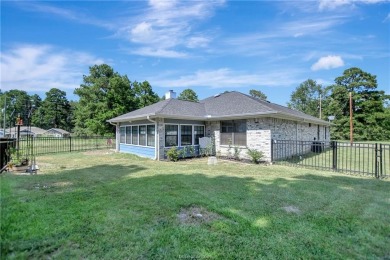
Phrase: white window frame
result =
(120, 134)
(193, 133)
(131, 134)
(179, 134)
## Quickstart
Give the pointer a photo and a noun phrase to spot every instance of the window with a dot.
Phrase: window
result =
(171, 135)
(151, 132)
(134, 132)
(142, 135)
(186, 135)
(198, 133)
(128, 134)
(122, 135)
(233, 132)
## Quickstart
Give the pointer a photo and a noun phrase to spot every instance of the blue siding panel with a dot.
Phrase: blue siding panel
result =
(142, 151)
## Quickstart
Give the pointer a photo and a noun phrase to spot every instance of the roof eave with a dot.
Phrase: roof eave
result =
(127, 119)
(301, 119)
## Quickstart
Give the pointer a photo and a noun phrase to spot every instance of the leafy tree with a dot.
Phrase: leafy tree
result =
(144, 94)
(306, 98)
(189, 95)
(257, 94)
(18, 103)
(104, 94)
(54, 111)
(368, 106)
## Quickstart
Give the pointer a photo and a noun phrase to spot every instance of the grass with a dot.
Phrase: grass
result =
(115, 206)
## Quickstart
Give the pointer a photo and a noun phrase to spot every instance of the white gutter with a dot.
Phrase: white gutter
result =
(156, 144)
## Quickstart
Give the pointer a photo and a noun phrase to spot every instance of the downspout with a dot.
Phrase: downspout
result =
(116, 136)
(156, 144)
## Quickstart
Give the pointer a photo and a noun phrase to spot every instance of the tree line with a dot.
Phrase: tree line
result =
(370, 106)
(105, 94)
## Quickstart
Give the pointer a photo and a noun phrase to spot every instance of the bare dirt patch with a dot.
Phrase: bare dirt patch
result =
(292, 209)
(99, 152)
(196, 215)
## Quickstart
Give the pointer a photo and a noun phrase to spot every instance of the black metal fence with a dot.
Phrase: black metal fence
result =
(357, 158)
(5, 145)
(47, 145)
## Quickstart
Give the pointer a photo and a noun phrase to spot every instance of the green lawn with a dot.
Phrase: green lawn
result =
(115, 206)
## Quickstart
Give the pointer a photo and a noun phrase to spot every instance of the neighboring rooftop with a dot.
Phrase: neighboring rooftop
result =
(32, 129)
(222, 106)
(58, 130)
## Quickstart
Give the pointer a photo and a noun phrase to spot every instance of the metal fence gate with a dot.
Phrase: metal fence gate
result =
(357, 158)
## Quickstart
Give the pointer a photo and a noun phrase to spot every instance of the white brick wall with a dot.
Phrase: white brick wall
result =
(261, 131)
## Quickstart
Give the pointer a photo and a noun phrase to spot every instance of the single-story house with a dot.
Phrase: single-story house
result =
(2, 132)
(57, 132)
(230, 119)
(25, 131)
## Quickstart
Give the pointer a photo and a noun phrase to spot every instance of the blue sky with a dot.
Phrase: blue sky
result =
(208, 46)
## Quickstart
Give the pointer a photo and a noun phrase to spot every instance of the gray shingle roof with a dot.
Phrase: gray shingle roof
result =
(170, 107)
(34, 129)
(58, 130)
(225, 105)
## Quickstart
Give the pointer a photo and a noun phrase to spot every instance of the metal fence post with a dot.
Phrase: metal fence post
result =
(70, 144)
(334, 157)
(380, 161)
(376, 161)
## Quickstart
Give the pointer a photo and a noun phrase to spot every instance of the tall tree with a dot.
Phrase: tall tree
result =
(104, 94)
(17, 103)
(144, 94)
(54, 111)
(306, 98)
(257, 94)
(189, 95)
(368, 106)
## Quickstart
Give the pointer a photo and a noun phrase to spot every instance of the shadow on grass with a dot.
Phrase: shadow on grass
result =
(113, 211)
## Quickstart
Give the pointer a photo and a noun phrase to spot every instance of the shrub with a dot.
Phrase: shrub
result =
(173, 154)
(192, 151)
(255, 155)
(237, 151)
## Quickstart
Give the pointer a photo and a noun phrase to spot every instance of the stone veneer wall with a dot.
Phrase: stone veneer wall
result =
(160, 137)
(261, 132)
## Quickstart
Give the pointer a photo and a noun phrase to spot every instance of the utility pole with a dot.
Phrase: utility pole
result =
(4, 120)
(350, 119)
(320, 106)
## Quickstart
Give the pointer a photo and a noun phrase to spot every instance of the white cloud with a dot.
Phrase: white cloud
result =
(156, 52)
(198, 42)
(65, 13)
(168, 27)
(387, 18)
(162, 4)
(227, 78)
(333, 4)
(328, 62)
(42, 67)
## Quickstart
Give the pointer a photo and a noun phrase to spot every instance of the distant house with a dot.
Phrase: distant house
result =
(231, 119)
(2, 133)
(25, 131)
(57, 132)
